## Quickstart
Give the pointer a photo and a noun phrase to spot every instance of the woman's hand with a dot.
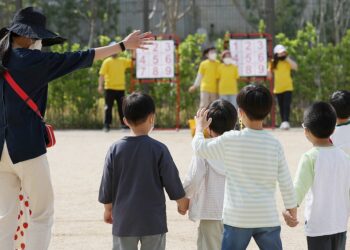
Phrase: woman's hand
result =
(192, 89)
(135, 40)
(138, 40)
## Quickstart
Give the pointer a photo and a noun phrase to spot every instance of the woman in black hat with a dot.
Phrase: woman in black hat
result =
(23, 160)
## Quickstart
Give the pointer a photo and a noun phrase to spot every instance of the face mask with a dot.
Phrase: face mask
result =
(212, 56)
(228, 60)
(282, 58)
(36, 45)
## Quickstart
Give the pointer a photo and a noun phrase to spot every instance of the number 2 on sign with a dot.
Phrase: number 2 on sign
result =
(155, 47)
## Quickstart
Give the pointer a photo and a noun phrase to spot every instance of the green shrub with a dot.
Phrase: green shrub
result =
(323, 68)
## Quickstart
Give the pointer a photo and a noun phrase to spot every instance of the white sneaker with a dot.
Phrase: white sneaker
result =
(285, 126)
(282, 125)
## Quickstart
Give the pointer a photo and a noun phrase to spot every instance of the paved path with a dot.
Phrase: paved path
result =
(76, 167)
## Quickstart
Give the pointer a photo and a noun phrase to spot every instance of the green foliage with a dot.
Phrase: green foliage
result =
(190, 52)
(73, 99)
(323, 68)
(262, 26)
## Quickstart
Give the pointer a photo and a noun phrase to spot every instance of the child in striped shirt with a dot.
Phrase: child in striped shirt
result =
(254, 162)
(205, 182)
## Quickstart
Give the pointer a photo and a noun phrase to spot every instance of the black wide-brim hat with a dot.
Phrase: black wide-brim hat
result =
(31, 23)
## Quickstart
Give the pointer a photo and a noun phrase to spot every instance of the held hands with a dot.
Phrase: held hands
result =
(138, 40)
(182, 205)
(202, 122)
(290, 217)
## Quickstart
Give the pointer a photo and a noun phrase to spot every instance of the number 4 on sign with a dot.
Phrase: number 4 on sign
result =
(143, 60)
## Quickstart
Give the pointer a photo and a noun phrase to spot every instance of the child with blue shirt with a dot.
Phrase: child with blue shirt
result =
(254, 163)
(137, 169)
(205, 182)
(323, 176)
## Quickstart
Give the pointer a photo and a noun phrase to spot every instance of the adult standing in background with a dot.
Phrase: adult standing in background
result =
(112, 83)
(23, 160)
(281, 67)
(207, 78)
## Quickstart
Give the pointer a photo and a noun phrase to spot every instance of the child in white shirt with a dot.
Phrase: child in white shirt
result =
(323, 176)
(205, 182)
(340, 100)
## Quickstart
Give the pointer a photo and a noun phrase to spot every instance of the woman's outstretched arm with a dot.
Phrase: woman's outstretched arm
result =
(135, 40)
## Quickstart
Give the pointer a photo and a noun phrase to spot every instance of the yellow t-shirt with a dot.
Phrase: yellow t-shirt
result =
(113, 71)
(282, 76)
(208, 70)
(228, 75)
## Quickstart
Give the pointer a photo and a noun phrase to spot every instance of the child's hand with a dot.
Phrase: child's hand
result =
(107, 216)
(182, 205)
(201, 120)
(290, 217)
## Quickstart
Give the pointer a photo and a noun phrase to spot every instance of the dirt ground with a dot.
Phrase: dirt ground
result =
(76, 166)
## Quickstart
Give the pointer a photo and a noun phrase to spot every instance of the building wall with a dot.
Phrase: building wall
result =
(206, 13)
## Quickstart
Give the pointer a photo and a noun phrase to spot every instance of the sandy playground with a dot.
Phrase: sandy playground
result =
(76, 167)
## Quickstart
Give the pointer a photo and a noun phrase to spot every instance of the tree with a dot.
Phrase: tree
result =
(280, 16)
(331, 20)
(171, 13)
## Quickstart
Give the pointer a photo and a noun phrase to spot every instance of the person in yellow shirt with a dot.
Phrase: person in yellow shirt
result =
(207, 78)
(281, 67)
(112, 83)
(228, 76)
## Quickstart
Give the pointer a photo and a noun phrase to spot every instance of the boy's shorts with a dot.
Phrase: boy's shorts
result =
(151, 242)
(327, 242)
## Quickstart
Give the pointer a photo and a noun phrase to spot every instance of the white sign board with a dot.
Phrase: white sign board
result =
(156, 62)
(250, 56)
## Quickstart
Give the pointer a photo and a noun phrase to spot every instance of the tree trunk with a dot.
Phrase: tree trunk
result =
(145, 15)
(93, 9)
(19, 4)
(270, 17)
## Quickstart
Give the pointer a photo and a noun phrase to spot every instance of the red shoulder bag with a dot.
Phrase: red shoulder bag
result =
(50, 136)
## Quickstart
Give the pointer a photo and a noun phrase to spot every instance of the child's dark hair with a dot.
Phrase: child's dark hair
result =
(275, 61)
(224, 116)
(137, 107)
(256, 101)
(207, 50)
(340, 100)
(320, 119)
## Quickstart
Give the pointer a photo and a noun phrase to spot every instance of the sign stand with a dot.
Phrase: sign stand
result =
(159, 64)
(251, 52)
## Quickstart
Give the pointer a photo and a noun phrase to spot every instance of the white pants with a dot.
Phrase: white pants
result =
(207, 98)
(34, 178)
(230, 98)
(210, 235)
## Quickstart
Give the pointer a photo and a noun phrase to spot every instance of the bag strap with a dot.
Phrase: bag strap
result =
(22, 94)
